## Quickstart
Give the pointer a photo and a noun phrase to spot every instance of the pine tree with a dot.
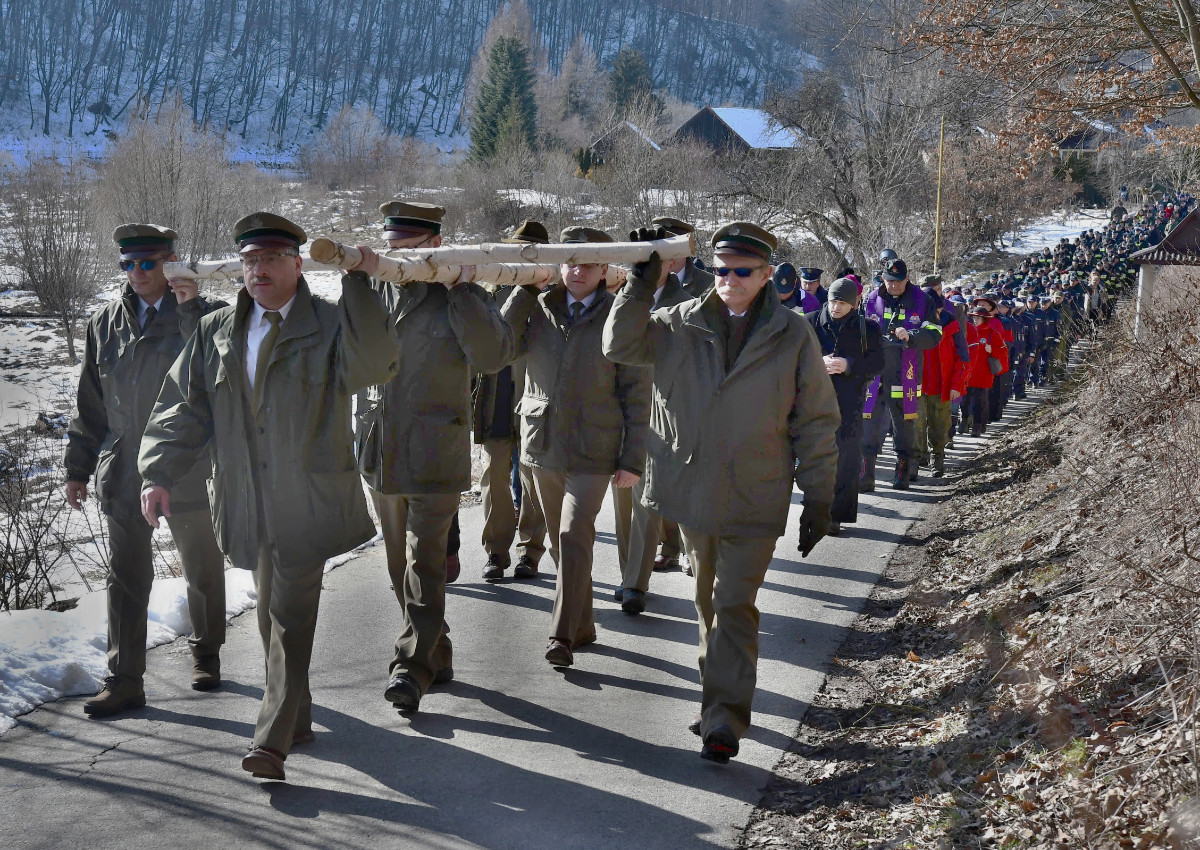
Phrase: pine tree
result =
(631, 85)
(505, 114)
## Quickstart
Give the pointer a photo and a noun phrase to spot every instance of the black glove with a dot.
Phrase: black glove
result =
(649, 271)
(647, 234)
(814, 524)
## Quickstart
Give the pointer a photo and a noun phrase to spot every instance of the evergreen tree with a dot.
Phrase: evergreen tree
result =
(505, 114)
(630, 85)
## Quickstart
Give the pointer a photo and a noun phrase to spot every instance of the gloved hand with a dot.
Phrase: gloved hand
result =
(648, 272)
(814, 524)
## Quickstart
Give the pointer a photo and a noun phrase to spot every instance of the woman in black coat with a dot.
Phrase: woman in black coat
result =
(853, 349)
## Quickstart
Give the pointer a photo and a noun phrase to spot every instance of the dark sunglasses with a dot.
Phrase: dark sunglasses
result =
(742, 271)
(144, 265)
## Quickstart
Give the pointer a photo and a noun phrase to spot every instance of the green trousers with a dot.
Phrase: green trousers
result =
(415, 529)
(933, 427)
(131, 576)
(729, 571)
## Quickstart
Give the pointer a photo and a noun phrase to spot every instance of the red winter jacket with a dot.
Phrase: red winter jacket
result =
(943, 371)
(978, 337)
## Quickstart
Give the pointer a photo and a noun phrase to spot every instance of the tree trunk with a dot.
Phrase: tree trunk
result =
(68, 324)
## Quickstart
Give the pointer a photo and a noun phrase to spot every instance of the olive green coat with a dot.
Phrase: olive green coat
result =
(695, 281)
(580, 412)
(312, 500)
(414, 432)
(725, 448)
(123, 370)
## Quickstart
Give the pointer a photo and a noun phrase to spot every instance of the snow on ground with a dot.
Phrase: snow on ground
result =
(45, 655)
(1046, 231)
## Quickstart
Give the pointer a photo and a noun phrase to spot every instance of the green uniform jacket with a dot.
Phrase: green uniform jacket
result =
(414, 432)
(724, 449)
(695, 281)
(123, 370)
(483, 389)
(580, 412)
(312, 499)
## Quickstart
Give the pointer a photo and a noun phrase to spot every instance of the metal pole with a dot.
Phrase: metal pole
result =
(937, 227)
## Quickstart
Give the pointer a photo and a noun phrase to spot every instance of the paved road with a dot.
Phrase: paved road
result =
(512, 754)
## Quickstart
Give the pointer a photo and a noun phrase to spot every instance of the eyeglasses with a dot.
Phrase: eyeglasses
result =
(740, 271)
(250, 261)
(144, 265)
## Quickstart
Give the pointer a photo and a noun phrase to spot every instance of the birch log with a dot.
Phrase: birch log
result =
(397, 271)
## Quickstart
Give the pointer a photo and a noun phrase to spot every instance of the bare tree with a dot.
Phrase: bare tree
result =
(52, 244)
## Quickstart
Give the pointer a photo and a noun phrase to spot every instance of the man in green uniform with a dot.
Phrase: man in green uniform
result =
(493, 399)
(268, 383)
(694, 280)
(583, 422)
(131, 344)
(743, 407)
(414, 442)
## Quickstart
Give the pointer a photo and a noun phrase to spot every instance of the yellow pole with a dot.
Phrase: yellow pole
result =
(937, 228)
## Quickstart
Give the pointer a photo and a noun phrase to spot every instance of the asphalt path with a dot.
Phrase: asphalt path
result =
(511, 754)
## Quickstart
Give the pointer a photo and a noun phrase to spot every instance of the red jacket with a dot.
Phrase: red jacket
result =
(978, 338)
(942, 370)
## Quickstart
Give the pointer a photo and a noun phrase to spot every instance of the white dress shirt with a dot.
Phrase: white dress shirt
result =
(586, 302)
(255, 332)
(143, 307)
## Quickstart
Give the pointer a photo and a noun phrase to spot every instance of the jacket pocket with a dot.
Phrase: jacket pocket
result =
(535, 425)
(434, 442)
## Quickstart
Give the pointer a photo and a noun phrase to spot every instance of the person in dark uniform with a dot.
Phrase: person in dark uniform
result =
(810, 282)
(131, 344)
(852, 349)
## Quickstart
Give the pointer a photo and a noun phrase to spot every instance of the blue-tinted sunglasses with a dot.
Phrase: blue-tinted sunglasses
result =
(741, 271)
(144, 265)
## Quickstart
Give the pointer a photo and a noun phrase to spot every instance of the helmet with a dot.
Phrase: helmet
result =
(886, 256)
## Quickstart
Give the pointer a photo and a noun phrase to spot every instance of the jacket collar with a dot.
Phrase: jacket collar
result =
(554, 304)
(704, 314)
(164, 324)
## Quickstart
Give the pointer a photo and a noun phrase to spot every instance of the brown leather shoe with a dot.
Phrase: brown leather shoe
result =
(206, 672)
(559, 654)
(303, 736)
(120, 693)
(264, 763)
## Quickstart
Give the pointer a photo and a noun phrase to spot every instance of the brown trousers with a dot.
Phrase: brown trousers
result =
(531, 520)
(646, 530)
(499, 512)
(415, 529)
(571, 502)
(131, 576)
(729, 572)
(288, 598)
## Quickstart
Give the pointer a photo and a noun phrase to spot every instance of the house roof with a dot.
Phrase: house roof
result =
(756, 127)
(1180, 247)
(642, 134)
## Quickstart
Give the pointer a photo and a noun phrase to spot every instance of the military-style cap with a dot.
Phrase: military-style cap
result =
(931, 279)
(578, 234)
(809, 273)
(744, 237)
(406, 219)
(674, 226)
(267, 230)
(528, 231)
(138, 241)
(784, 278)
(1044, 298)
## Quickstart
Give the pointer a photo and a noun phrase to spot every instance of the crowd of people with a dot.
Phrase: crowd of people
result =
(699, 397)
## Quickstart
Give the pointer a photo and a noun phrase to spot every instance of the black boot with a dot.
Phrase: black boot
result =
(866, 477)
(901, 479)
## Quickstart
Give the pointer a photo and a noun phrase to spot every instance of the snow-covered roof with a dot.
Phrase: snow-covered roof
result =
(643, 134)
(757, 128)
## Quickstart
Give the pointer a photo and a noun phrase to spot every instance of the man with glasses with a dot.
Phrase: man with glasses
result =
(131, 344)
(743, 408)
(583, 422)
(266, 385)
(414, 442)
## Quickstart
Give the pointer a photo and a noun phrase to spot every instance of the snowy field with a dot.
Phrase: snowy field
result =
(46, 655)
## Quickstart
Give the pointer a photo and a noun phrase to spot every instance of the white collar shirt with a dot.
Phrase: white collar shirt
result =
(143, 307)
(255, 332)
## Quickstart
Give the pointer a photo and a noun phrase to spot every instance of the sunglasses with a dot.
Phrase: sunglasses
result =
(742, 271)
(144, 265)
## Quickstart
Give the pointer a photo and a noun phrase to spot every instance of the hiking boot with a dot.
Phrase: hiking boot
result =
(494, 570)
(901, 478)
(720, 745)
(120, 693)
(206, 672)
(403, 692)
(525, 568)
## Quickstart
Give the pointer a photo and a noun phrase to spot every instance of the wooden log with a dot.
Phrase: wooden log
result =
(501, 274)
(674, 248)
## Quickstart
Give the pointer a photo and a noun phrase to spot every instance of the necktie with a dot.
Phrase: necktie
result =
(151, 312)
(264, 356)
(576, 312)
